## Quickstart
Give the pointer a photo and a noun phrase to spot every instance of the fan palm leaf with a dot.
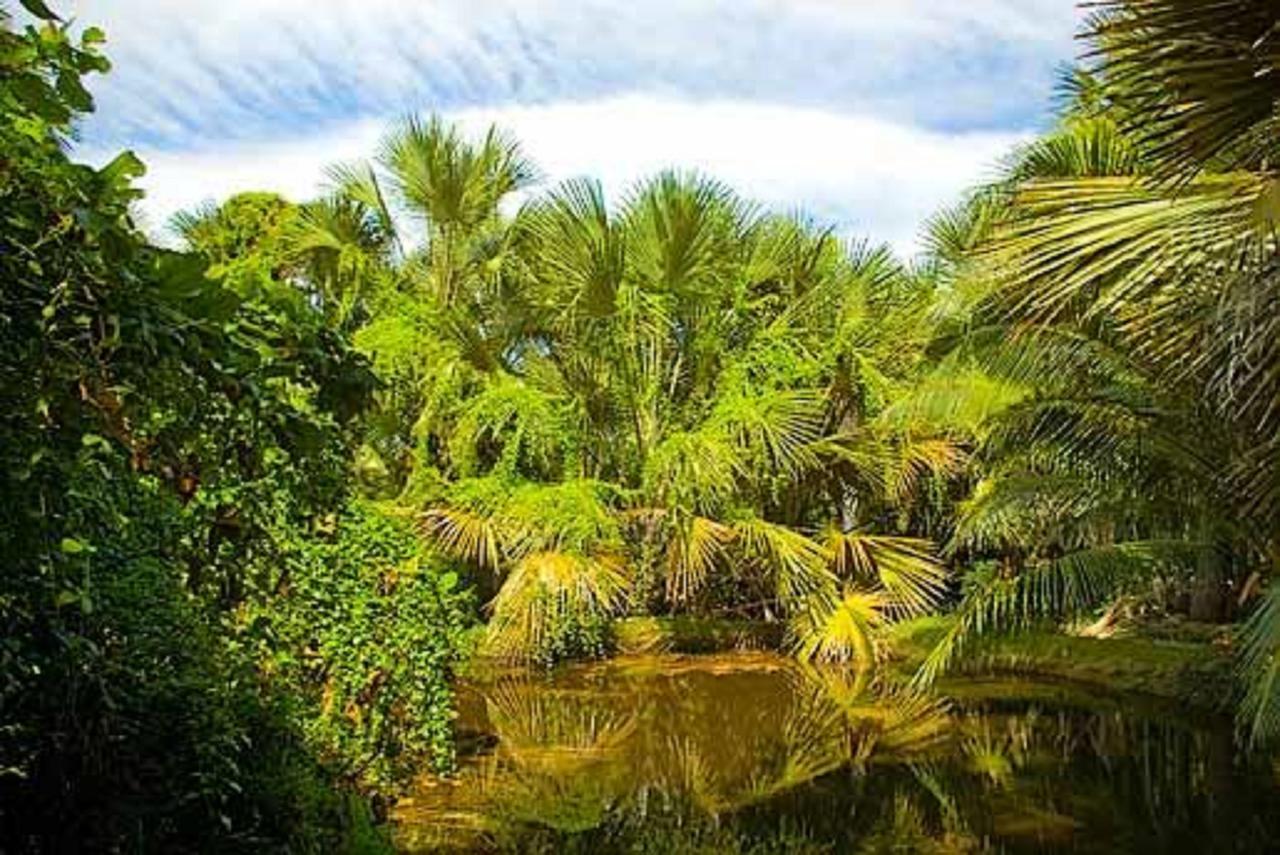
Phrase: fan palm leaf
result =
(696, 549)
(543, 588)
(911, 578)
(848, 631)
(466, 535)
(1196, 80)
(798, 564)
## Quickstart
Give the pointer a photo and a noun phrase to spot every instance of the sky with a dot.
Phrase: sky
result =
(867, 115)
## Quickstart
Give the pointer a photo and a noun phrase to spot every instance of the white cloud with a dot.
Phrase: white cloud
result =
(865, 175)
(867, 113)
(295, 168)
(248, 68)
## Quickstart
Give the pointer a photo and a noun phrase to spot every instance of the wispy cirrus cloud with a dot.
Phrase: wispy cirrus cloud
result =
(248, 68)
(863, 176)
(868, 113)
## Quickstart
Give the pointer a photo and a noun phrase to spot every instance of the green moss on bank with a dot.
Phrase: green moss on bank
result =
(694, 635)
(1193, 672)
(1196, 673)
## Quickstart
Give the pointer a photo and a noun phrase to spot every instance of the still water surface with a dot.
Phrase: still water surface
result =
(752, 753)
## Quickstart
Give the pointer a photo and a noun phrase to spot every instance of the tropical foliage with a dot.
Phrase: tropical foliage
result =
(670, 403)
(1114, 295)
(255, 490)
(175, 440)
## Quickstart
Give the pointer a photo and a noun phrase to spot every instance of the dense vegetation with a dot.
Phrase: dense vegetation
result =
(206, 643)
(254, 491)
(1118, 283)
(643, 409)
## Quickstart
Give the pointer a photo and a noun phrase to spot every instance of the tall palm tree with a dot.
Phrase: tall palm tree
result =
(1129, 256)
(619, 406)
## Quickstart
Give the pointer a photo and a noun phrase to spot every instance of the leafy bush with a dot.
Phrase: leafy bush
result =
(368, 632)
(168, 443)
(132, 719)
(575, 634)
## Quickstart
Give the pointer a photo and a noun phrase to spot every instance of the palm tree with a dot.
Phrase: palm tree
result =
(1128, 260)
(677, 402)
(606, 408)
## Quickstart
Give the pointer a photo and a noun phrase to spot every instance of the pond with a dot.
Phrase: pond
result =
(754, 753)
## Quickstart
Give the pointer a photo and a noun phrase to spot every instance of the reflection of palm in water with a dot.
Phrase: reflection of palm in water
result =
(595, 748)
(535, 724)
(680, 739)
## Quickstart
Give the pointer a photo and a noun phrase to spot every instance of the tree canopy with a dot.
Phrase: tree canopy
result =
(258, 490)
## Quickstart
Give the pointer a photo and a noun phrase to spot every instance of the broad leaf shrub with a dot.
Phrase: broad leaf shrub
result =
(368, 631)
(171, 445)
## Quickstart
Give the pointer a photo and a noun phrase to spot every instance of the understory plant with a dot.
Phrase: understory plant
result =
(367, 628)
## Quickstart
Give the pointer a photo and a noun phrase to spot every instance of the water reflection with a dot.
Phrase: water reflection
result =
(751, 753)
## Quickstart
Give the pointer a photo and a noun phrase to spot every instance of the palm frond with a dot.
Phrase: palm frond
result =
(912, 578)
(447, 180)
(846, 631)
(1110, 240)
(798, 564)
(359, 183)
(1084, 147)
(917, 459)
(1259, 670)
(1065, 587)
(543, 589)
(1196, 81)
(682, 231)
(779, 425)
(963, 401)
(696, 548)
(581, 251)
(466, 535)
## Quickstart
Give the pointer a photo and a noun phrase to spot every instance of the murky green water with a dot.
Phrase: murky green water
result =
(751, 753)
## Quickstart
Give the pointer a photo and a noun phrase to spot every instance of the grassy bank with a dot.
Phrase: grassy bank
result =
(694, 635)
(1194, 672)
(1186, 665)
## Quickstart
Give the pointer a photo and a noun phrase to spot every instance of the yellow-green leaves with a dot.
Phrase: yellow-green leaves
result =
(848, 631)
(543, 589)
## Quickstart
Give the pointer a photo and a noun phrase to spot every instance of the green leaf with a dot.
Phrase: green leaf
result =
(72, 546)
(90, 440)
(94, 62)
(123, 168)
(93, 36)
(73, 91)
(39, 9)
(36, 96)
